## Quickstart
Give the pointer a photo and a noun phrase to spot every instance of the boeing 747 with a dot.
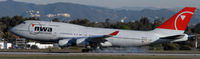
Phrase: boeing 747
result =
(66, 34)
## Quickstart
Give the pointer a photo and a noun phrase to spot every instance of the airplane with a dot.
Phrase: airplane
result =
(91, 38)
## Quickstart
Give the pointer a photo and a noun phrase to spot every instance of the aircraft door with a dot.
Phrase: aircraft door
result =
(144, 40)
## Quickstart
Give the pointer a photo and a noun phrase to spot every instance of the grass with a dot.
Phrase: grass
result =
(176, 51)
(93, 57)
(16, 56)
(74, 50)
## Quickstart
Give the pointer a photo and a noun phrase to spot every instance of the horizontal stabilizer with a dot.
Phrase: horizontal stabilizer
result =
(173, 37)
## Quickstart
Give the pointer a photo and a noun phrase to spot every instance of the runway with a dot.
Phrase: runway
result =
(97, 54)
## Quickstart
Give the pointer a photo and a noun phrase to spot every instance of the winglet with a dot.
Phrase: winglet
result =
(114, 33)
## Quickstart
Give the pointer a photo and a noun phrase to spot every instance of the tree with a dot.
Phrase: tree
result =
(55, 20)
(107, 23)
(144, 24)
(156, 23)
(8, 22)
(32, 18)
(185, 47)
(170, 46)
(196, 28)
(84, 22)
(156, 47)
(188, 30)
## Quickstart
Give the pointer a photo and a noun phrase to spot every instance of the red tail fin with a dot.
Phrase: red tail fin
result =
(180, 20)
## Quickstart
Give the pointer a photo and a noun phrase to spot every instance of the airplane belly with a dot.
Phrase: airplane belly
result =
(125, 42)
(45, 37)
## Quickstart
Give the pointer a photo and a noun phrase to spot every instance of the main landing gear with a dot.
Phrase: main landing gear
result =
(92, 47)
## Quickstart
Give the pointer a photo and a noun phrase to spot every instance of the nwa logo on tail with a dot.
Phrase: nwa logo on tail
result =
(180, 20)
(36, 28)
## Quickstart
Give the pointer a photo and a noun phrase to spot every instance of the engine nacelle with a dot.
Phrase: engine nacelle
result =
(72, 42)
(81, 42)
(185, 38)
(106, 44)
(64, 42)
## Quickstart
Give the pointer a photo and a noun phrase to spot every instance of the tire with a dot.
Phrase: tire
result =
(85, 50)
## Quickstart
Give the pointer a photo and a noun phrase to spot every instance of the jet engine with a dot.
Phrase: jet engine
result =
(65, 42)
(81, 42)
(72, 42)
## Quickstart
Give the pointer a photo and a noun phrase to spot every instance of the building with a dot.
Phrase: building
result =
(40, 46)
(20, 43)
(5, 45)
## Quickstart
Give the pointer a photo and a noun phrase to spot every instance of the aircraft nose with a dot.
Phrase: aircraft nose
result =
(12, 30)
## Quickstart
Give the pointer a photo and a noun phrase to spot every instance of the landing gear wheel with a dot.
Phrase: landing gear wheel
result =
(95, 46)
(85, 50)
(62, 47)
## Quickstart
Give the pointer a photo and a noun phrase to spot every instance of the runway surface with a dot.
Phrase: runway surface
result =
(97, 54)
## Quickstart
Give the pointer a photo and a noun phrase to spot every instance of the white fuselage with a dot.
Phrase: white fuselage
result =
(69, 31)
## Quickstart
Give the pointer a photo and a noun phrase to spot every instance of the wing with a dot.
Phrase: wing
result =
(101, 38)
(92, 41)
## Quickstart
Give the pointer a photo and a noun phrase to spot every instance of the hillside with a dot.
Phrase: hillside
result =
(70, 11)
